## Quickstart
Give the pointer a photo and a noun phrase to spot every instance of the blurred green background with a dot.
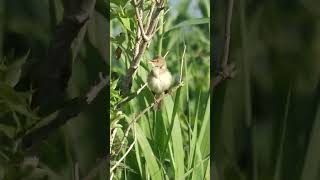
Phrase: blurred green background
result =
(174, 142)
(26, 28)
(267, 119)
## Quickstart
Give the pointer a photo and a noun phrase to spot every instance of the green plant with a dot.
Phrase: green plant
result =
(174, 142)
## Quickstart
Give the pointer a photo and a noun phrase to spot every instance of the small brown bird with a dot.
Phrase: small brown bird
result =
(159, 78)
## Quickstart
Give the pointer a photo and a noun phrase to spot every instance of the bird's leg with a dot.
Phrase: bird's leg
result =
(156, 96)
(168, 91)
(157, 102)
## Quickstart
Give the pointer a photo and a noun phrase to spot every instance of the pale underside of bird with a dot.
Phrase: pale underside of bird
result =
(159, 78)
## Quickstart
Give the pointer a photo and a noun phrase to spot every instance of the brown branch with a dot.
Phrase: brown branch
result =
(227, 70)
(227, 34)
(144, 36)
(130, 96)
(60, 117)
(63, 49)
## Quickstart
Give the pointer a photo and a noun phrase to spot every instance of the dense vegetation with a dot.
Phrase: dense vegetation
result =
(173, 142)
(49, 59)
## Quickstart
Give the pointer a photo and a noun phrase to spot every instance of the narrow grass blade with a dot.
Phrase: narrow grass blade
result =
(311, 166)
(189, 23)
(150, 160)
(277, 174)
(177, 142)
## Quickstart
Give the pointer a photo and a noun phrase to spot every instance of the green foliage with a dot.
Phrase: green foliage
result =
(16, 117)
(174, 142)
(26, 29)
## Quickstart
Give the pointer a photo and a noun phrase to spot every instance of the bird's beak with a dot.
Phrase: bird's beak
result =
(151, 62)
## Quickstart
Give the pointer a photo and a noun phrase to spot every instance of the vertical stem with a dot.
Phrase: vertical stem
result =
(227, 34)
(161, 30)
(76, 171)
(247, 90)
(277, 174)
(53, 15)
(110, 49)
(2, 25)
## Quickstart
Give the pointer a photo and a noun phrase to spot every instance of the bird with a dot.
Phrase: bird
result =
(159, 78)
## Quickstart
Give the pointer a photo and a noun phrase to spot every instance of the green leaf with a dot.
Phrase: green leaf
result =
(204, 135)
(14, 70)
(8, 130)
(151, 161)
(175, 129)
(120, 39)
(126, 23)
(194, 138)
(16, 101)
(120, 3)
(189, 23)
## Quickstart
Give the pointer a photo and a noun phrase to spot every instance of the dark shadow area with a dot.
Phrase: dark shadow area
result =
(267, 117)
(53, 89)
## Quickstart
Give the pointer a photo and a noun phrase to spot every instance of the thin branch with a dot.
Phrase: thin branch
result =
(124, 156)
(150, 15)
(94, 91)
(111, 177)
(131, 96)
(113, 137)
(227, 73)
(166, 54)
(60, 117)
(182, 61)
(76, 171)
(227, 70)
(227, 34)
(140, 24)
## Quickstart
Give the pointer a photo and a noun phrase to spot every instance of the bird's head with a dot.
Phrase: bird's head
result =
(158, 62)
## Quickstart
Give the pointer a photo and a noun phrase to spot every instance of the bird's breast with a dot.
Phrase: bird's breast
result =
(160, 82)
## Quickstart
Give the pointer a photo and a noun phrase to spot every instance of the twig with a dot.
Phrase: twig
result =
(150, 15)
(227, 34)
(182, 61)
(111, 177)
(124, 156)
(166, 54)
(226, 73)
(97, 88)
(139, 19)
(131, 96)
(227, 70)
(76, 171)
